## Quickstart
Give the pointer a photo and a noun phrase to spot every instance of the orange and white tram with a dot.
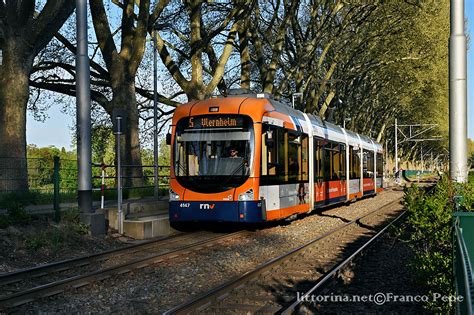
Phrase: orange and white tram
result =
(250, 158)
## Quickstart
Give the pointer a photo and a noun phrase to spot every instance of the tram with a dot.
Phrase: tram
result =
(250, 158)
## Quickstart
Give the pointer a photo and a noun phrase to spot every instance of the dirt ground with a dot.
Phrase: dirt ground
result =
(43, 241)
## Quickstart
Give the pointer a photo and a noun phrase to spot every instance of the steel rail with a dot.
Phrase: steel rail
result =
(290, 309)
(60, 286)
(206, 299)
(63, 265)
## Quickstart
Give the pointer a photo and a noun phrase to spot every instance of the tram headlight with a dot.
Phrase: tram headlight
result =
(248, 195)
(173, 195)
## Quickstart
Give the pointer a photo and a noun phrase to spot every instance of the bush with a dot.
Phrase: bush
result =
(71, 218)
(56, 237)
(16, 214)
(429, 216)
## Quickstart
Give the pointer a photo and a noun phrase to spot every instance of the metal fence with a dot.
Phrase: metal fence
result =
(53, 180)
(32, 180)
(463, 258)
(133, 185)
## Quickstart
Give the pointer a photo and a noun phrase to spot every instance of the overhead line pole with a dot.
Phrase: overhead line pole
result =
(155, 116)
(84, 151)
(457, 95)
(94, 220)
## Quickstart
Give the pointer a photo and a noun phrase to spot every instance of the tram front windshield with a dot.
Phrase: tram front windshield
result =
(213, 154)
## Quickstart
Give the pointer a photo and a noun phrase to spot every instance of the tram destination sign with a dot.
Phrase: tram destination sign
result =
(216, 121)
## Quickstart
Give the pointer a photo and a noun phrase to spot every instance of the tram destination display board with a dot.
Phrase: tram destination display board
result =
(216, 121)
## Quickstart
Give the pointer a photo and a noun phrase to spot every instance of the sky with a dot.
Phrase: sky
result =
(56, 130)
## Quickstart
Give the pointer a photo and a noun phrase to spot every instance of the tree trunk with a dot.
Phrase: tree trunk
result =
(14, 94)
(124, 98)
(244, 55)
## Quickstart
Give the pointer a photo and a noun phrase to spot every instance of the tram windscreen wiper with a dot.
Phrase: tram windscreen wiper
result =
(235, 171)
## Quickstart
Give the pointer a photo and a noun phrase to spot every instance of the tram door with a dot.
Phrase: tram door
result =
(319, 189)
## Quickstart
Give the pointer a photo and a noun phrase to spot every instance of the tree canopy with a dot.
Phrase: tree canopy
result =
(365, 63)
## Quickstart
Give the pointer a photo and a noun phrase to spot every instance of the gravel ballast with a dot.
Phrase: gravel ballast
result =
(159, 287)
(383, 273)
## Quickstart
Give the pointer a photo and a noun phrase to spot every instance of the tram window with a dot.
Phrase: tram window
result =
(286, 159)
(368, 164)
(273, 155)
(318, 160)
(294, 157)
(354, 163)
(379, 165)
(336, 162)
(270, 152)
(304, 157)
(342, 156)
(264, 158)
(282, 161)
(327, 161)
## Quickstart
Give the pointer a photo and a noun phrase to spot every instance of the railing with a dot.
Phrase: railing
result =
(464, 253)
(38, 180)
(51, 180)
(106, 181)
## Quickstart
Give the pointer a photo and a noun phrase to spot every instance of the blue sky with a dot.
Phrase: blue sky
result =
(56, 129)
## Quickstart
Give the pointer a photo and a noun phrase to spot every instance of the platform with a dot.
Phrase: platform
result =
(143, 218)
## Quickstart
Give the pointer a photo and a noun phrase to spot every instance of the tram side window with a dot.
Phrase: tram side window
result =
(379, 165)
(354, 163)
(294, 157)
(333, 162)
(318, 160)
(273, 157)
(284, 156)
(304, 157)
(336, 162)
(327, 161)
(297, 153)
(371, 164)
(368, 164)
(342, 157)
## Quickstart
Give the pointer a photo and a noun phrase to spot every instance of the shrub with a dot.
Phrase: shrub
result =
(429, 216)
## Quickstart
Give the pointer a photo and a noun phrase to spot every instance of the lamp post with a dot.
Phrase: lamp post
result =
(298, 94)
(155, 115)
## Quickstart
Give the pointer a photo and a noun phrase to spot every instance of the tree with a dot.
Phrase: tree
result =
(191, 46)
(114, 83)
(122, 67)
(23, 34)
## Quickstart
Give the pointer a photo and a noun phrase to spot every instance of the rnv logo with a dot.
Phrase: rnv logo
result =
(206, 206)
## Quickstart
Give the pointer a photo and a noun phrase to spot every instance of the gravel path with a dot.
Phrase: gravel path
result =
(157, 288)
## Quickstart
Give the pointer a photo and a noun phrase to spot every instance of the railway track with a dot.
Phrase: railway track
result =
(274, 286)
(27, 285)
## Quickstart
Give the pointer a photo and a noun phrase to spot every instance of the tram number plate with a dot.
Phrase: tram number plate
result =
(184, 205)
